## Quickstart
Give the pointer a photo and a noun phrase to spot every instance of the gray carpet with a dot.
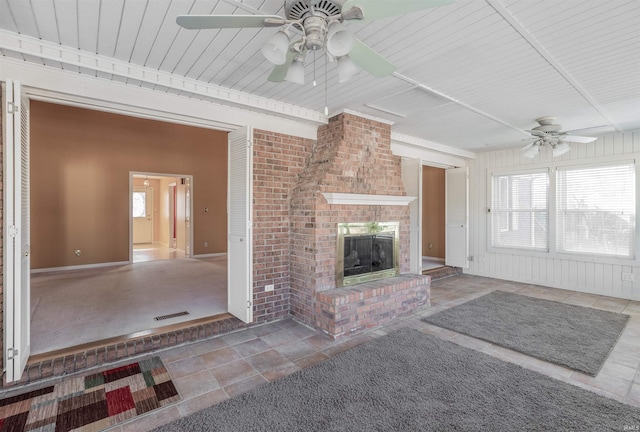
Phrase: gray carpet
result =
(411, 381)
(576, 337)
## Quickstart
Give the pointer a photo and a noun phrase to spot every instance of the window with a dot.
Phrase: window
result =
(596, 209)
(519, 210)
(139, 204)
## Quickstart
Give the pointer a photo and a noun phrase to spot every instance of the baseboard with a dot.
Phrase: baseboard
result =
(209, 255)
(79, 267)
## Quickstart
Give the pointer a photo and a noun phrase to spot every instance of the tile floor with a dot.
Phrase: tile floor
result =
(211, 371)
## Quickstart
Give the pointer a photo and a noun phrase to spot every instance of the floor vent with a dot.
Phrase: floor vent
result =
(173, 315)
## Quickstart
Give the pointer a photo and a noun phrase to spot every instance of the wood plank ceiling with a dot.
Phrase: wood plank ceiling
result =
(471, 74)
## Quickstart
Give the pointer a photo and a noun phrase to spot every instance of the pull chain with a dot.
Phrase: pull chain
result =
(314, 68)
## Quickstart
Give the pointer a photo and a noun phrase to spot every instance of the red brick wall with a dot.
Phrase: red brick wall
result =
(345, 311)
(352, 155)
(278, 161)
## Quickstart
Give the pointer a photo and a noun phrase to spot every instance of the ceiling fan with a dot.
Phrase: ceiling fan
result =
(314, 25)
(547, 133)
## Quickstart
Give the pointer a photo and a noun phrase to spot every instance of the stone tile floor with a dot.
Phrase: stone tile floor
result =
(211, 371)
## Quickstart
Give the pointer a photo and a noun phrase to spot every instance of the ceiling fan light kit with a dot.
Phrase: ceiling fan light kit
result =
(560, 149)
(320, 27)
(549, 134)
(295, 73)
(339, 40)
(276, 47)
(347, 69)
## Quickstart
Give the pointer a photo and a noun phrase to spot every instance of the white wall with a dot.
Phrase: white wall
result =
(579, 273)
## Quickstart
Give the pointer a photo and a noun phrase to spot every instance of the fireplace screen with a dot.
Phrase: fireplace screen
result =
(366, 251)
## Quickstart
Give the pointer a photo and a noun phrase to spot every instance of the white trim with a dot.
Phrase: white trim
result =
(430, 145)
(80, 267)
(366, 116)
(45, 50)
(366, 199)
(73, 89)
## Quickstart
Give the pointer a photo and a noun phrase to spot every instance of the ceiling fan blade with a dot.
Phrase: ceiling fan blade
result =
(196, 22)
(370, 60)
(578, 139)
(375, 9)
(280, 72)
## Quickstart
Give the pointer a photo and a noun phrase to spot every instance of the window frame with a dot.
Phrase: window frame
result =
(509, 172)
(586, 166)
(553, 252)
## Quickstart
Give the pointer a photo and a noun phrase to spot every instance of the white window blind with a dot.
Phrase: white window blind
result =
(519, 210)
(596, 210)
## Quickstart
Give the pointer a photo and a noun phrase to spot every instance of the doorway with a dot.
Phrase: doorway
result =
(160, 216)
(85, 285)
(433, 218)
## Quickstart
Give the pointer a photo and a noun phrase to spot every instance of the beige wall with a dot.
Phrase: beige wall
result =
(433, 206)
(80, 166)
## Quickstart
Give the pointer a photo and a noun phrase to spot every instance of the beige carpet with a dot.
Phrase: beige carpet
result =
(72, 308)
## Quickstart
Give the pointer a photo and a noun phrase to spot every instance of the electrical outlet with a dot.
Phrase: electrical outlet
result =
(78, 252)
(627, 277)
(206, 244)
(268, 288)
(430, 246)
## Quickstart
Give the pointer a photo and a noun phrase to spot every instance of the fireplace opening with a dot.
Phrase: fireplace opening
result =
(366, 251)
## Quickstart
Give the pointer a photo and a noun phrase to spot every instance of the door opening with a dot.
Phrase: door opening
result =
(433, 217)
(43, 275)
(160, 216)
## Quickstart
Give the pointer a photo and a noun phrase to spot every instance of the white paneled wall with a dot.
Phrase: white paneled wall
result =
(588, 274)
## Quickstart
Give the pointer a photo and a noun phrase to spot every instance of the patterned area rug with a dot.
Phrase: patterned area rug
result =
(92, 402)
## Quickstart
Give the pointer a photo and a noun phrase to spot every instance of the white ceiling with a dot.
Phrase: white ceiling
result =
(471, 74)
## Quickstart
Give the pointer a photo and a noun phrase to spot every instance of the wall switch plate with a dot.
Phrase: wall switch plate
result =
(627, 277)
(268, 288)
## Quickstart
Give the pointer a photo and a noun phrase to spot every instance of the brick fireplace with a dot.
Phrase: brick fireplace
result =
(351, 158)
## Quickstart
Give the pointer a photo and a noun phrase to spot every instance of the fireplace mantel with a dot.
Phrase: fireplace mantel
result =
(366, 199)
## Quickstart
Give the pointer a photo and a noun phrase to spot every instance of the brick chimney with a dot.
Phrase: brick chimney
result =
(352, 155)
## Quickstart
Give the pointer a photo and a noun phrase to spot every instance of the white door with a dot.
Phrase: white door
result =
(412, 179)
(457, 217)
(142, 213)
(16, 243)
(239, 213)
